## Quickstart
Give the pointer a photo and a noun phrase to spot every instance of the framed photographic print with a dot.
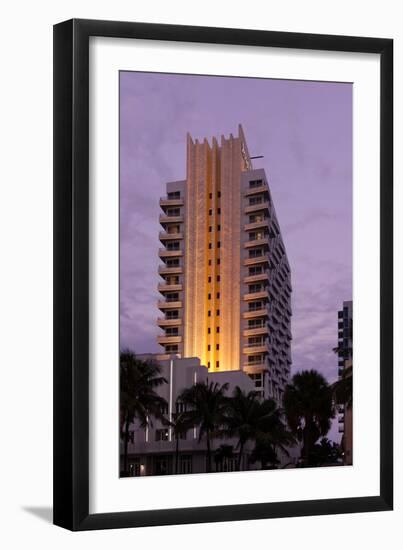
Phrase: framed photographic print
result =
(223, 273)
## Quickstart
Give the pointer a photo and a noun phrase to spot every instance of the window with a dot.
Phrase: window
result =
(173, 229)
(186, 464)
(172, 314)
(218, 295)
(218, 329)
(134, 468)
(172, 212)
(218, 261)
(172, 297)
(255, 288)
(208, 347)
(218, 278)
(217, 364)
(173, 245)
(210, 245)
(208, 365)
(255, 183)
(174, 195)
(210, 212)
(209, 313)
(164, 408)
(171, 348)
(218, 210)
(209, 262)
(210, 229)
(218, 244)
(218, 227)
(217, 347)
(209, 330)
(255, 359)
(161, 435)
(255, 200)
(255, 253)
(255, 323)
(172, 331)
(219, 194)
(172, 262)
(209, 279)
(209, 296)
(254, 306)
(180, 407)
(255, 270)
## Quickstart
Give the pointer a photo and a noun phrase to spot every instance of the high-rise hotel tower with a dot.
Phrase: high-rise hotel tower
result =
(225, 288)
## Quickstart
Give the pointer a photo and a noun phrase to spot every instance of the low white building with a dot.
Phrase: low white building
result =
(154, 450)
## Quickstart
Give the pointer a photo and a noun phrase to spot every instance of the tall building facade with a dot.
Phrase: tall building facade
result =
(225, 279)
(345, 359)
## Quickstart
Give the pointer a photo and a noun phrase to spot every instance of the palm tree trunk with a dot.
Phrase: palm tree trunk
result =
(126, 446)
(239, 459)
(176, 454)
(208, 453)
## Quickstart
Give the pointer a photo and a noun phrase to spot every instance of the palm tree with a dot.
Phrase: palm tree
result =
(251, 419)
(206, 406)
(343, 388)
(180, 423)
(309, 408)
(222, 455)
(139, 400)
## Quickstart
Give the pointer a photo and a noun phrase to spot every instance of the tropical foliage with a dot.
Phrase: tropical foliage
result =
(206, 408)
(139, 380)
(308, 404)
(251, 419)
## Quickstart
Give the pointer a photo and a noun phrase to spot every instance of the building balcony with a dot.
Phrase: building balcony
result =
(257, 225)
(163, 304)
(164, 202)
(164, 287)
(252, 368)
(256, 295)
(164, 236)
(255, 348)
(255, 313)
(166, 270)
(162, 322)
(163, 339)
(170, 219)
(257, 207)
(256, 190)
(255, 261)
(256, 242)
(256, 331)
(164, 253)
(256, 278)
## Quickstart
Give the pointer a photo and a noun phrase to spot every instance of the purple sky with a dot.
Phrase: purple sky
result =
(304, 131)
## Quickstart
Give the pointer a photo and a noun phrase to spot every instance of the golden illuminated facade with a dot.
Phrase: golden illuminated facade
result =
(225, 276)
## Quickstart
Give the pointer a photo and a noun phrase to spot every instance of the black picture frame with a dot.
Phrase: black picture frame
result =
(71, 274)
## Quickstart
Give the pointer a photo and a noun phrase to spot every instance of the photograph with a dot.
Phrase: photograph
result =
(236, 304)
